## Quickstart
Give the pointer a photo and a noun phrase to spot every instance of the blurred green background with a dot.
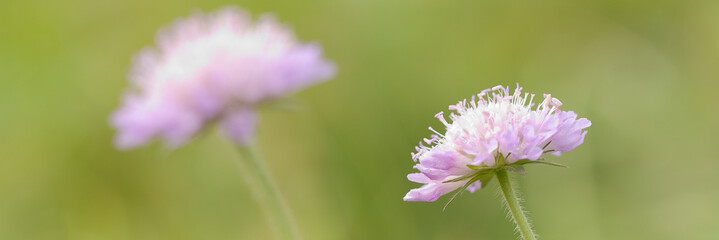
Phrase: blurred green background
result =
(644, 72)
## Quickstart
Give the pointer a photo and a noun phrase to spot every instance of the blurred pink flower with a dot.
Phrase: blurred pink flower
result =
(497, 123)
(213, 67)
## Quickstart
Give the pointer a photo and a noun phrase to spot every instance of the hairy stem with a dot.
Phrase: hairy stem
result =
(518, 214)
(268, 194)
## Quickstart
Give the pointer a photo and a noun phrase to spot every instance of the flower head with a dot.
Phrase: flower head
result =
(214, 67)
(493, 130)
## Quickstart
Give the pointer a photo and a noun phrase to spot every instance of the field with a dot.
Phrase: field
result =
(644, 72)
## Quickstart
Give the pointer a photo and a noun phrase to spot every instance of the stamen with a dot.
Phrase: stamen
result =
(440, 116)
(432, 129)
(555, 102)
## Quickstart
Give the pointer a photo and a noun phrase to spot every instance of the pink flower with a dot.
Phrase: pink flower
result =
(495, 126)
(213, 67)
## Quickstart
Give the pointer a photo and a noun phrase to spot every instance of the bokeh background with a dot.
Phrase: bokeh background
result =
(644, 72)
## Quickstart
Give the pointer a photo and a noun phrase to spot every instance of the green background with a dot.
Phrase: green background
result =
(644, 72)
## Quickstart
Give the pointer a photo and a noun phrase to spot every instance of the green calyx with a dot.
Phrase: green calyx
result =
(484, 173)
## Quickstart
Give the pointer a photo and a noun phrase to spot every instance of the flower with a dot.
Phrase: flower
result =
(496, 130)
(213, 67)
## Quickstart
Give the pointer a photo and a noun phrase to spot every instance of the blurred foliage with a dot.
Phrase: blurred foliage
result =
(643, 71)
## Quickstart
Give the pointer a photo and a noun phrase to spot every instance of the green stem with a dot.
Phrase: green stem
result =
(518, 214)
(268, 193)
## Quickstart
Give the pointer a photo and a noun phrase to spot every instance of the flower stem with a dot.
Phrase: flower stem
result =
(268, 194)
(518, 214)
